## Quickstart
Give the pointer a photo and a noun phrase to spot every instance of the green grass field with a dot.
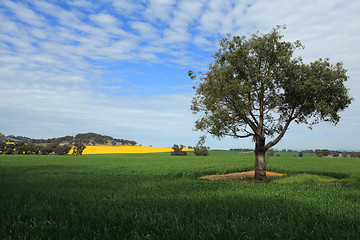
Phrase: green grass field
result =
(156, 196)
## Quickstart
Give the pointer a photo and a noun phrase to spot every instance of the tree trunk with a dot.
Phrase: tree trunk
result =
(260, 163)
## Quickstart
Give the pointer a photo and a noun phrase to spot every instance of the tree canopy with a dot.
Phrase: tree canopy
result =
(256, 88)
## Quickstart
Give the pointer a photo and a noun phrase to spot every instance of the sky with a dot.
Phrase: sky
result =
(119, 67)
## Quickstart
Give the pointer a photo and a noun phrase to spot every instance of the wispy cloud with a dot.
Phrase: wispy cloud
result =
(24, 14)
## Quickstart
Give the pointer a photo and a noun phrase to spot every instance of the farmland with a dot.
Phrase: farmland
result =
(125, 149)
(158, 196)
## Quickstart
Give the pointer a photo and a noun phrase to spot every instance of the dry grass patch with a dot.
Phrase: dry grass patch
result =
(248, 176)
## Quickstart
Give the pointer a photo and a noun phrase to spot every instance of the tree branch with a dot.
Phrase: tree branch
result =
(251, 113)
(292, 116)
(241, 136)
(281, 135)
(260, 129)
(254, 118)
(252, 125)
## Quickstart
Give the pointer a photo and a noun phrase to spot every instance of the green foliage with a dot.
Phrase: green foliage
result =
(256, 88)
(147, 196)
(329, 153)
(270, 152)
(178, 151)
(77, 149)
(201, 151)
(95, 138)
(62, 149)
(86, 138)
(31, 148)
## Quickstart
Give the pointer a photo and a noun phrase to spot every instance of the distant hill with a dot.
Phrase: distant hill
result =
(89, 139)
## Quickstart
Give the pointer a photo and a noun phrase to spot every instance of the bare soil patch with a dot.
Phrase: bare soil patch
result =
(248, 176)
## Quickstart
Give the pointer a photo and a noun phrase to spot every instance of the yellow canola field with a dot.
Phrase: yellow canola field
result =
(126, 149)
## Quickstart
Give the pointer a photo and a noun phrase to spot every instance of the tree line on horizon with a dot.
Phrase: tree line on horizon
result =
(330, 153)
(12, 148)
(84, 138)
(317, 152)
(71, 145)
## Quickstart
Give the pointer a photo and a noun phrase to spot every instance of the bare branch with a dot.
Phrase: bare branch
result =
(281, 135)
(292, 117)
(241, 136)
(252, 125)
(254, 118)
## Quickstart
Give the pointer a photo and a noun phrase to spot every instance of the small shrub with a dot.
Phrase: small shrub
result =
(270, 152)
(9, 151)
(201, 151)
(77, 149)
(62, 149)
(178, 151)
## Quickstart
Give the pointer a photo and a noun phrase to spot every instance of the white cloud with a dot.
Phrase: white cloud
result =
(25, 14)
(80, 3)
(202, 42)
(216, 18)
(47, 8)
(104, 19)
(127, 7)
(146, 30)
(179, 29)
(176, 36)
(6, 25)
(159, 10)
(80, 110)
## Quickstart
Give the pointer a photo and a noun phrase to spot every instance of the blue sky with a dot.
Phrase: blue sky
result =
(119, 68)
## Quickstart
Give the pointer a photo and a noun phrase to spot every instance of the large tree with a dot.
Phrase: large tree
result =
(256, 88)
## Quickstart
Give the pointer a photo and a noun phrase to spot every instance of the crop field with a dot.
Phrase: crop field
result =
(125, 149)
(158, 196)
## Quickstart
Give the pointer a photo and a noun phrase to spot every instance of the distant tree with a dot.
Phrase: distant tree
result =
(20, 148)
(270, 152)
(2, 147)
(256, 88)
(32, 148)
(10, 150)
(178, 150)
(62, 149)
(201, 151)
(322, 152)
(241, 149)
(78, 148)
(46, 150)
